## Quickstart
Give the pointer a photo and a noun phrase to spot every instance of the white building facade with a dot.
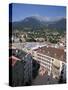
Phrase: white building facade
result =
(51, 59)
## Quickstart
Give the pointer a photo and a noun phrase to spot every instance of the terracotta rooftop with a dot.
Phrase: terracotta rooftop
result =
(13, 60)
(57, 53)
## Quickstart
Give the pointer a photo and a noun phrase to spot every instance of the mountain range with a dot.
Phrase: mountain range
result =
(39, 23)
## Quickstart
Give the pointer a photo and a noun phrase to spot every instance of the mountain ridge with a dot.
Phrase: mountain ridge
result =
(34, 23)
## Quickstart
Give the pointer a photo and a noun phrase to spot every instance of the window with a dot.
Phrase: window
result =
(52, 59)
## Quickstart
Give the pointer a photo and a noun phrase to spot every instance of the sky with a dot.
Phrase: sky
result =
(21, 11)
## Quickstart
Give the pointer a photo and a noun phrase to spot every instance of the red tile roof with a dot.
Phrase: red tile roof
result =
(57, 53)
(13, 60)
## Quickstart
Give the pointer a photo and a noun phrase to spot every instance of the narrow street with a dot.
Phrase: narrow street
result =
(44, 80)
